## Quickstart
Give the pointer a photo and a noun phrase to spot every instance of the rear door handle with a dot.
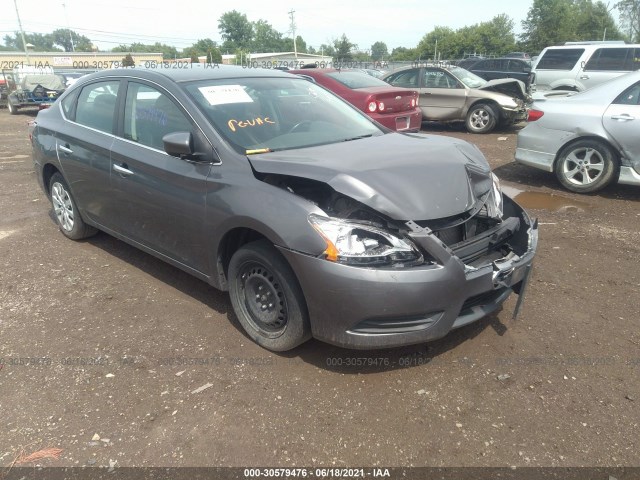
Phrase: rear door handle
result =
(122, 169)
(584, 77)
(624, 117)
(65, 148)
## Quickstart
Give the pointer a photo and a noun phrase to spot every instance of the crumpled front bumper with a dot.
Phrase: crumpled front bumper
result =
(368, 308)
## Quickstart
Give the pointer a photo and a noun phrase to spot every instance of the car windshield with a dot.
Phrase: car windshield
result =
(357, 79)
(257, 115)
(470, 80)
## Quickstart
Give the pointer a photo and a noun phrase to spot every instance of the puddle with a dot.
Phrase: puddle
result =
(545, 201)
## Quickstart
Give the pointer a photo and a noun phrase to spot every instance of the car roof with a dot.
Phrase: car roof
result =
(193, 73)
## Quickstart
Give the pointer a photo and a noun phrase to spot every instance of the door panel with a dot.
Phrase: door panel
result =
(83, 147)
(441, 96)
(161, 198)
(622, 121)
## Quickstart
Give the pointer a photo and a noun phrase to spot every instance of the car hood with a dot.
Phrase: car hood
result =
(507, 86)
(405, 177)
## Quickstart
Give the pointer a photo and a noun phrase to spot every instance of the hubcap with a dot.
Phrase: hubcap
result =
(480, 119)
(62, 206)
(583, 166)
(263, 297)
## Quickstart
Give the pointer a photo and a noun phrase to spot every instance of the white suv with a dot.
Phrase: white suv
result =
(579, 66)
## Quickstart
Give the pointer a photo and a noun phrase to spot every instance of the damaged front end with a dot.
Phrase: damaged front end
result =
(413, 247)
(381, 282)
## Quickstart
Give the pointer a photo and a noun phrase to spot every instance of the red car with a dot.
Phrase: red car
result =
(394, 107)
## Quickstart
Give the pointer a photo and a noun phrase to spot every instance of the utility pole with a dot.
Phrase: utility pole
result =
(24, 42)
(73, 48)
(293, 32)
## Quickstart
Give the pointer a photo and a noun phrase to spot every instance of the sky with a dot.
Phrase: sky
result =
(111, 23)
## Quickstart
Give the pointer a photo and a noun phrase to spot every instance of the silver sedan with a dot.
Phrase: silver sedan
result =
(589, 139)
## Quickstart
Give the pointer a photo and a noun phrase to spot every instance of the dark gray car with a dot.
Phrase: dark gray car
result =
(317, 220)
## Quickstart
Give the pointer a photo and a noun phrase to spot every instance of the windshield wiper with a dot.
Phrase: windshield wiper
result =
(358, 137)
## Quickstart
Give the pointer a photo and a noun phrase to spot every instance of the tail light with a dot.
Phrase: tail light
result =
(375, 106)
(534, 115)
(413, 102)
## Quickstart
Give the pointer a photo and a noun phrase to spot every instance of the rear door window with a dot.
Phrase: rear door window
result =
(611, 59)
(560, 59)
(97, 104)
(407, 78)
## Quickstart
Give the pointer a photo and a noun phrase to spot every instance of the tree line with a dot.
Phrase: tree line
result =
(548, 22)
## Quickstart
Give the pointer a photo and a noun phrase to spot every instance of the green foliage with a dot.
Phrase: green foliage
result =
(630, 18)
(287, 45)
(236, 30)
(166, 50)
(266, 38)
(41, 42)
(343, 49)
(62, 37)
(403, 54)
(128, 61)
(553, 22)
(494, 37)
(379, 50)
(194, 58)
(214, 56)
(326, 50)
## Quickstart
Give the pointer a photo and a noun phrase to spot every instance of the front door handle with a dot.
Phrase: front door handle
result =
(122, 169)
(584, 77)
(65, 148)
(623, 118)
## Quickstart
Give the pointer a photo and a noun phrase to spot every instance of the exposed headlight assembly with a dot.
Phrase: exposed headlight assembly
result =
(363, 245)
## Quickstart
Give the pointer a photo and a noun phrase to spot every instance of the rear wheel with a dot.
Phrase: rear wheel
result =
(481, 118)
(267, 298)
(586, 166)
(65, 210)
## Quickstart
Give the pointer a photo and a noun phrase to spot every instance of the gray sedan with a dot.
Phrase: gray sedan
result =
(317, 220)
(589, 139)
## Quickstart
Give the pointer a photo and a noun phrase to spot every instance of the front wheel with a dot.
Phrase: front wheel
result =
(267, 298)
(481, 118)
(66, 211)
(586, 166)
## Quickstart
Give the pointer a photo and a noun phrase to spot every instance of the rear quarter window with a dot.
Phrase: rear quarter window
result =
(560, 59)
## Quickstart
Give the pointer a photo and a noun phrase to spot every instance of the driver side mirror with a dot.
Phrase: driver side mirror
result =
(180, 144)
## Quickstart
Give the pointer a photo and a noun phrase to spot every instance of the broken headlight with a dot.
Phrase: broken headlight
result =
(363, 245)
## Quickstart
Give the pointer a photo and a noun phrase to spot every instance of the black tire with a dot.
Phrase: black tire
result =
(267, 298)
(587, 166)
(13, 110)
(481, 118)
(66, 211)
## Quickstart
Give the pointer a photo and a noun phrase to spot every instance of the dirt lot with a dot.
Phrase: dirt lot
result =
(105, 352)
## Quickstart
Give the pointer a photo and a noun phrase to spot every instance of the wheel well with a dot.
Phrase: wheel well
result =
(592, 138)
(47, 172)
(496, 108)
(230, 243)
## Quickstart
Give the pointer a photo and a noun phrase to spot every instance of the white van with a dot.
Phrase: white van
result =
(579, 66)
